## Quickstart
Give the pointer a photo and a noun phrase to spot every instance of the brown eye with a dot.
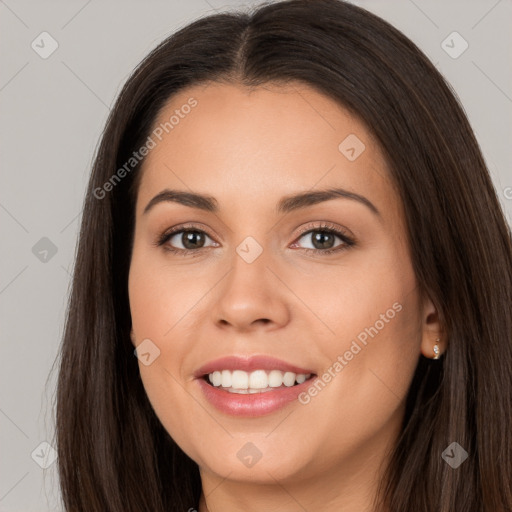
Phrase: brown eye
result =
(323, 240)
(193, 240)
(190, 240)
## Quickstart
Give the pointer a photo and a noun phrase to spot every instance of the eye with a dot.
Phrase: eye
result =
(323, 237)
(192, 239)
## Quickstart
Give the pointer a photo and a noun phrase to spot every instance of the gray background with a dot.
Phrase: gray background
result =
(52, 114)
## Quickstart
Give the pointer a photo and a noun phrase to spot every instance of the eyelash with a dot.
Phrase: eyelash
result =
(324, 228)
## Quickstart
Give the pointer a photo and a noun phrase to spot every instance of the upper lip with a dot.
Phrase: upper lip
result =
(249, 364)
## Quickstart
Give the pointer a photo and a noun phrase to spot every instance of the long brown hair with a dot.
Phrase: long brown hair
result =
(114, 454)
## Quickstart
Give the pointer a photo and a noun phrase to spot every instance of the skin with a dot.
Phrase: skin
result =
(248, 149)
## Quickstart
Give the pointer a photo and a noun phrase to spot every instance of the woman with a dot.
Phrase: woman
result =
(368, 370)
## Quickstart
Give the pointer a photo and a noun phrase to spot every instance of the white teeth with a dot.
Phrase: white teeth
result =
(239, 381)
(248, 391)
(258, 379)
(275, 379)
(300, 378)
(289, 379)
(216, 378)
(226, 379)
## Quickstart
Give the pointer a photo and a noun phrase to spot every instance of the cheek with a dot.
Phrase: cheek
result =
(371, 298)
(376, 343)
(159, 296)
(149, 305)
(366, 382)
(158, 305)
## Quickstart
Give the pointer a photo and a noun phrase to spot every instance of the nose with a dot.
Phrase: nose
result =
(251, 296)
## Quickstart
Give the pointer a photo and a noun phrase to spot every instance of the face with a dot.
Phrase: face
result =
(324, 286)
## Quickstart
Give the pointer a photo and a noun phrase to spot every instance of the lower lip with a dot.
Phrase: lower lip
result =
(255, 404)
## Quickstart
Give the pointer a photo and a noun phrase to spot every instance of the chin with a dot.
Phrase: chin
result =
(260, 461)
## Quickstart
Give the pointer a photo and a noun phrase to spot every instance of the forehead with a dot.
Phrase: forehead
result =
(273, 138)
(281, 115)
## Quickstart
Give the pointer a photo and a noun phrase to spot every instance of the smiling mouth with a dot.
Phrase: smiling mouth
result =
(258, 381)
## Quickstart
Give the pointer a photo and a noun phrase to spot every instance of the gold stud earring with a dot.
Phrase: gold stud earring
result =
(436, 350)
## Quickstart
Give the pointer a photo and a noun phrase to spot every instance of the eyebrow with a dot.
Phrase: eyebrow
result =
(286, 205)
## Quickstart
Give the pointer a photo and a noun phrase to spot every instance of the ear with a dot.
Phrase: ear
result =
(432, 330)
